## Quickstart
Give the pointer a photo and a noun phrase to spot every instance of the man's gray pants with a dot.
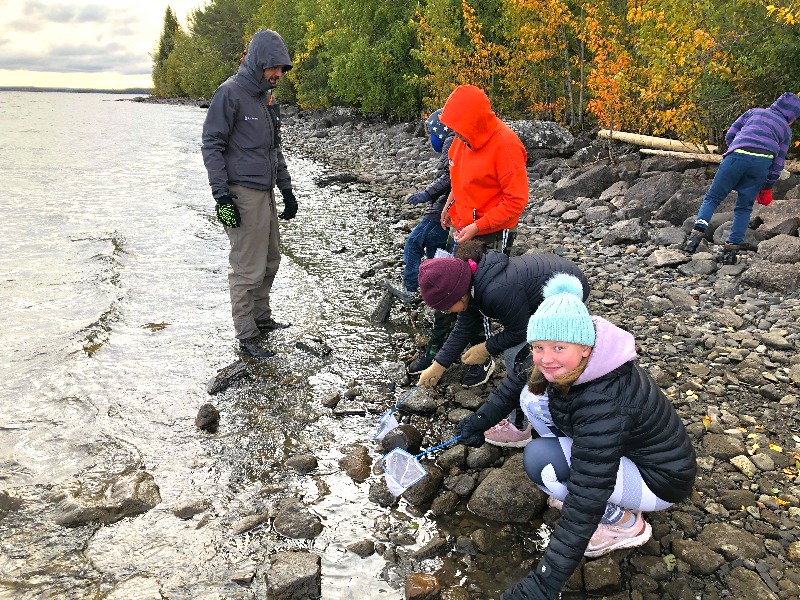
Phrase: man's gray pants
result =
(254, 258)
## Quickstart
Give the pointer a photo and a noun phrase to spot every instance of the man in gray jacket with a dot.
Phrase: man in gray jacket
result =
(241, 152)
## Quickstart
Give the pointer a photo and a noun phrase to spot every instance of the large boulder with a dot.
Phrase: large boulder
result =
(537, 136)
(589, 184)
(507, 495)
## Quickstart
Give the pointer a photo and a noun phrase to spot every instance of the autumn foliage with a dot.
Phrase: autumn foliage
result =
(679, 68)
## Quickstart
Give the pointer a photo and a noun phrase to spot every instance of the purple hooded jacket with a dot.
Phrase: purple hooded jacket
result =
(766, 130)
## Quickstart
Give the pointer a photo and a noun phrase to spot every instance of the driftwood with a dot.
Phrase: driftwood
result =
(649, 141)
(792, 166)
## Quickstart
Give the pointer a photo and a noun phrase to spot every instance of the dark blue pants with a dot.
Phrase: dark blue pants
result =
(423, 240)
(741, 172)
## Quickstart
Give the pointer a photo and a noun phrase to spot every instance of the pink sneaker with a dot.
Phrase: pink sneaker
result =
(506, 435)
(608, 538)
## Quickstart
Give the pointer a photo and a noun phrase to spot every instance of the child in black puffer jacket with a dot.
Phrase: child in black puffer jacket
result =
(611, 444)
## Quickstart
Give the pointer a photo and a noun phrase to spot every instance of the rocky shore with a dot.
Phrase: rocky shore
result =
(720, 340)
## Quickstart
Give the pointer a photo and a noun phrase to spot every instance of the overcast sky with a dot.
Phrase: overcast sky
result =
(82, 43)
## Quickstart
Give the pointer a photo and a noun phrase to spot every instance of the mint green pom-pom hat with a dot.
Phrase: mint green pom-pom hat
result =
(562, 316)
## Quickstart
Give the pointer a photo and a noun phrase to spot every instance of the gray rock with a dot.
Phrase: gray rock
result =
(126, 496)
(733, 542)
(294, 576)
(536, 135)
(663, 257)
(357, 463)
(249, 522)
(507, 495)
(445, 503)
(294, 521)
(669, 236)
(302, 463)
(702, 559)
(588, 184)
(780, 249)
(187, 510)
(625, 232)
(648, 195)
(602, 576)
(723, 447)
(744, 583)
(364, 548)
(426, 488)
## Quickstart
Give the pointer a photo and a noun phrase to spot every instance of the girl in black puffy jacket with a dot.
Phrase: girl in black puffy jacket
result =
(610, 443)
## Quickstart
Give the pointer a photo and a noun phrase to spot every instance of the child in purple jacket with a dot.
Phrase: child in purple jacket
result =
(757, 145)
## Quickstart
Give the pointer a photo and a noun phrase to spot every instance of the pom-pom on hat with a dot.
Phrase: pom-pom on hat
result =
(562, 316)
(444, 281)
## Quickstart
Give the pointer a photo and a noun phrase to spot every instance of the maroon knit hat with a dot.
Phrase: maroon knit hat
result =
(444, 281)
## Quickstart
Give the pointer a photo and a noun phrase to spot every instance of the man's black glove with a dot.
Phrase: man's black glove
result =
(289, 205)
(227, 212)
(471, 430)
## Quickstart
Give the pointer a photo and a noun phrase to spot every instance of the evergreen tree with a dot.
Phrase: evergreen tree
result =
(166, 44)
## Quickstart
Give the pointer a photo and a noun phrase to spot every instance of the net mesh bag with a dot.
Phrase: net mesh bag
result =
(385, 424)
(402, 470)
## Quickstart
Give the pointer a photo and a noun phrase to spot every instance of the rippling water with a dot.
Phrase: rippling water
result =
(115, 313)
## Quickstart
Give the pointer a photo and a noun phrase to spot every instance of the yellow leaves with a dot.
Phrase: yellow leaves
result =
(707, 422)
(775, 448)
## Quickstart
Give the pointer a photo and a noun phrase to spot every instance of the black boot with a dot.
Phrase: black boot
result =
(695, 237)
(729, 252)
(250, 347)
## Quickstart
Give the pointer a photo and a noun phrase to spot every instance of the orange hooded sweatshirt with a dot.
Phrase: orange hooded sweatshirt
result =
(487, 173)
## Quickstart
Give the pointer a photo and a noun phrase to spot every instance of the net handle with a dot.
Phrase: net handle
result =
(442, 445)
(406, 397)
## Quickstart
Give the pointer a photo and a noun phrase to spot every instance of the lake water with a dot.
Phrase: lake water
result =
(115, 313)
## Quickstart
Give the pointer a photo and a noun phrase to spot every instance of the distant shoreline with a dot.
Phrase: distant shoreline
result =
(22, 88)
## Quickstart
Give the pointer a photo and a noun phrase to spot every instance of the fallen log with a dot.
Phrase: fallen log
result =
(792, 166)
(649, 141)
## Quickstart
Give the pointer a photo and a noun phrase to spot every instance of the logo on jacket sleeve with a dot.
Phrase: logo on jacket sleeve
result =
(248, 118)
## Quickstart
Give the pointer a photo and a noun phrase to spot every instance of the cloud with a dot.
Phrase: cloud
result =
(70, 13)
(80, 58)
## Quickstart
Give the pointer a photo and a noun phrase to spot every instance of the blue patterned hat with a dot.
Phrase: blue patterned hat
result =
(562, 316)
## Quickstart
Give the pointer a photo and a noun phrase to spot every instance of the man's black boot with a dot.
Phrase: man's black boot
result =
(250, 347)
(270, 324)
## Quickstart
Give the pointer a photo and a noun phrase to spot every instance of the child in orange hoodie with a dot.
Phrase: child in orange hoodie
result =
(487, 168)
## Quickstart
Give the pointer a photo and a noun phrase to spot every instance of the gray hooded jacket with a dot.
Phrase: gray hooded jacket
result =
(241, 130)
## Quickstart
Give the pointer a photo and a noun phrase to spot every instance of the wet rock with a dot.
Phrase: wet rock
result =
(331, 401)
(485, 456)
(187, 510)
(302, 463)
(507, 495)
(423, 402)
(702, 559)
(461, 484)
(294, 576)
(652, 566)
(356, 463)
(364, 548)
(295, 521)
(207, 418)
(455, 456)
(469, 399)
(128, 495)
(379, 493)
(249, 522)
(403, 436)
(445, 503)
(421, 586)
(736, 499)
(602, 576)
(225, 377)
(734, 543)
(8, 503)
(435, 547)
(425, 489)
